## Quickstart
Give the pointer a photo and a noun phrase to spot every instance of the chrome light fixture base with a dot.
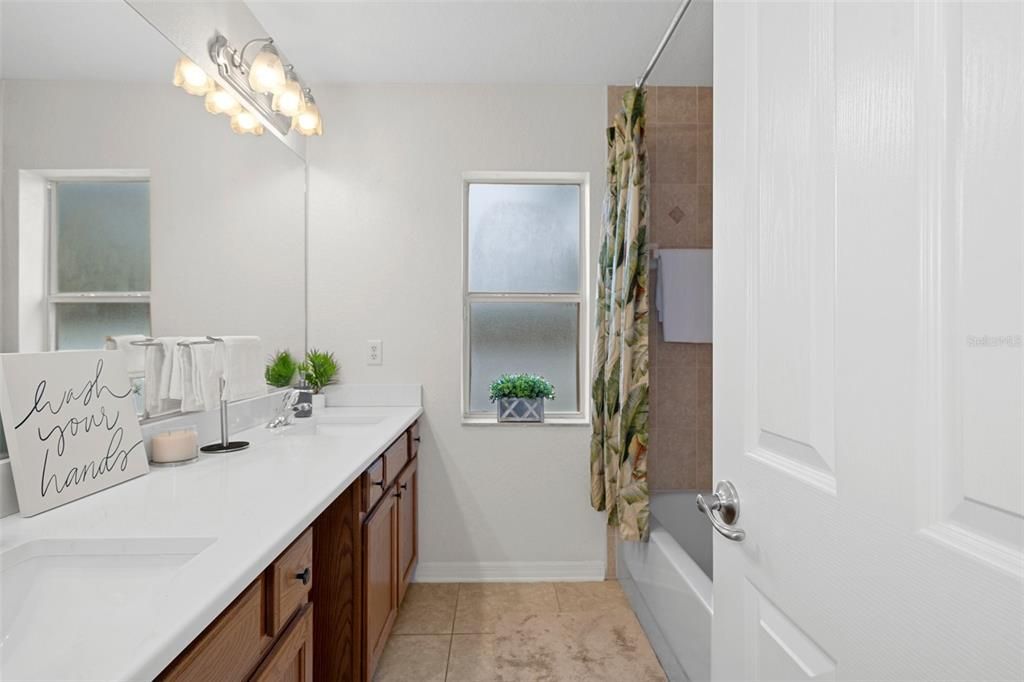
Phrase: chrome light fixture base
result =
(232, 68)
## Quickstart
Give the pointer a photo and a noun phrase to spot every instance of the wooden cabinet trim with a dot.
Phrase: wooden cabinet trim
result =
(287, 591)
(375, 630)
(374, 482)
(292, 657)
(407, 490)
(395, 458)
(231, 646)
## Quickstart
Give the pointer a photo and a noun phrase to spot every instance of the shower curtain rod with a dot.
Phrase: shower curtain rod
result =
(664, 43)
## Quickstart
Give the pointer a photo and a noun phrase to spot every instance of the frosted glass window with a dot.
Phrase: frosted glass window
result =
(537, 338)
(85, 326)
(102, 236)
(99, 256)
(524, 238)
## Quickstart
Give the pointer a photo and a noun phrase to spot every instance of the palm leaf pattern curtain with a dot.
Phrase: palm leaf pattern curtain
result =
(618, 448)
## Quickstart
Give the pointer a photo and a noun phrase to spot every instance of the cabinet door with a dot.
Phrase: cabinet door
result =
(380, 578)
(407, 496)
(230, 648)
(291, 659)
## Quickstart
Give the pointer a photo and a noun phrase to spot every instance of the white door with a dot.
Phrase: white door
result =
(869, 306)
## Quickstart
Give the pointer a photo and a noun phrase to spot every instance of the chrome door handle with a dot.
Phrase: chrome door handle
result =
(723, 510)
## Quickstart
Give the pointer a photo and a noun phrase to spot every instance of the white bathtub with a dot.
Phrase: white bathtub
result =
(669, 589)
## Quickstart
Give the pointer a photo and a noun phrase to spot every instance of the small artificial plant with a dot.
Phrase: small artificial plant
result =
(281, 369)
(319, 369)
(529, 386)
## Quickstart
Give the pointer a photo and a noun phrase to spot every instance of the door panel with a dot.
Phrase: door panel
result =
(291, 659)
(407, 535)
(776, 648)
(869, 306)
(380, 578)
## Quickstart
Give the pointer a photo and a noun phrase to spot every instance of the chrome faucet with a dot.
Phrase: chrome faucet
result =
(290, 407)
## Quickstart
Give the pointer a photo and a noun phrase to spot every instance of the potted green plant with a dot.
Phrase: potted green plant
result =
(281, 370)
(319, 369)
(520, 397)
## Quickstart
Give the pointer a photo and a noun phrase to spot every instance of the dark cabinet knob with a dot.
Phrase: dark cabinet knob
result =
(404, 486)
(305, 576)
(417, 439)
(380, 483)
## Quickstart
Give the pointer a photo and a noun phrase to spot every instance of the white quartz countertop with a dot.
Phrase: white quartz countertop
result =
(246, 508)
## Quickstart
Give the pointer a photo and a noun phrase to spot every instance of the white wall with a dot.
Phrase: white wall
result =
(227, 212)
(385, 263)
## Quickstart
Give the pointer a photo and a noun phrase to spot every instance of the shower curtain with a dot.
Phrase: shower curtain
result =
(618, 447)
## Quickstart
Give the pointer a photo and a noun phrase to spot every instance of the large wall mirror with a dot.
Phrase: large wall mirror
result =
(127, 208)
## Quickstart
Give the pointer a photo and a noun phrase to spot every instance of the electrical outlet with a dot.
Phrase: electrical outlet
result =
(374, 352)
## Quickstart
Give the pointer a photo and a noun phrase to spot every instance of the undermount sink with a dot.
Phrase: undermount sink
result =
(351, 420)
(329, 425)
(41, 581)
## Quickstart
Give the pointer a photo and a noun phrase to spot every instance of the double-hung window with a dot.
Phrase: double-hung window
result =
(99, 268)
(525, 244)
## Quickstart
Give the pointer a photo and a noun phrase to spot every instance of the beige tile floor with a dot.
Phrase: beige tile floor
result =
(517, 632)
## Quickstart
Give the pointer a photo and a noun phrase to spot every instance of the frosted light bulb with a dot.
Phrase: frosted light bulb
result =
(190, 78)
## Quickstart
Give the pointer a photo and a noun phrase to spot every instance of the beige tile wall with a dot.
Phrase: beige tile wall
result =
(679, 151)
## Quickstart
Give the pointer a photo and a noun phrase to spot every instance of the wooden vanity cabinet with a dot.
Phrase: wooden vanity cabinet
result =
(324, 608)
(269, 624)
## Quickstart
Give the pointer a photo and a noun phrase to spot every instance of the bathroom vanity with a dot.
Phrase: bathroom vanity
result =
(323, 609)
(284, 561)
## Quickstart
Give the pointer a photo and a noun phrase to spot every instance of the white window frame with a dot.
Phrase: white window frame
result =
(52, 297)
(581, 298)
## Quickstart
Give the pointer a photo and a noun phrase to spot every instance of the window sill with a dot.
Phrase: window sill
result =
(492, 420)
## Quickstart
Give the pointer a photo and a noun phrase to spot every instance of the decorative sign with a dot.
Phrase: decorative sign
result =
(70, 424)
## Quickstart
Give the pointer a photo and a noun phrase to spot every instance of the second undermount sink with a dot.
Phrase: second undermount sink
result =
(350, 420)
(42, 580)
(330, 425)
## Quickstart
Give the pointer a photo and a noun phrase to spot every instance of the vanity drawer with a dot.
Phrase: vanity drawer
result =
(231, 647)
(395, 457)
(290, 580)
(414, 440)
(373, 484)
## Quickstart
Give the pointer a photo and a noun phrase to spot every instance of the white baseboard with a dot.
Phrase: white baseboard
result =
(509, 571)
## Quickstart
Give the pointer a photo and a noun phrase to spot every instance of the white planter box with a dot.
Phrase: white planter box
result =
(524, 410)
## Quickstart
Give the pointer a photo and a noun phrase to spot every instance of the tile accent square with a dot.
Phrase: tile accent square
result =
(676, 104)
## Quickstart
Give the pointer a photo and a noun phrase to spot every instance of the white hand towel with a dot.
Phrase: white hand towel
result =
(207, 369)
(193, 361)
(243, 367)
(181, 366)
(157, 372)
(169, 344)
(685, 281)
(134, 356)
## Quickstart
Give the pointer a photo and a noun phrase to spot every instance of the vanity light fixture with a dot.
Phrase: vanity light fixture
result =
(264, 91)
(266, 87)
(191, 78)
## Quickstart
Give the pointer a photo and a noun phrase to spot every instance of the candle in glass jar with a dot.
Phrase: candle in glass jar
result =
(175, 446)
